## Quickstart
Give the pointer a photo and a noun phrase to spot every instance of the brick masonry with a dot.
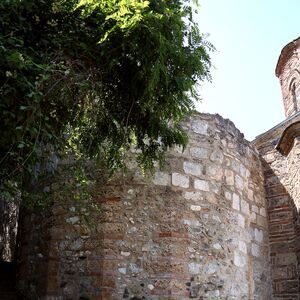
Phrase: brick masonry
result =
(282, 215)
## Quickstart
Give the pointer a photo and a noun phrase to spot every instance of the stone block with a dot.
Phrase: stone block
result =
(255, 250)
(217, 156)
(195, 207)
(192, 168)
(73, 220)
(161, 178)
(200, 153)
(255, 209)
(241, 220)
(262, 212)
(239, 182)
(235, 201)
(194, 268)
(253, 217)
(250, 195)
(214, 171)
(235, 165)
(217, 246)
(228, 195)
(243, 171)
(180, 180)
(229, 177)
(122, 270)
(200, 127)
(245, 207)
(191, 223)
(211, 268)
(201, 185)
(258, 235)
(261, 221)
(211, 198)
(195, 196)
(239, 259)
(243, 247)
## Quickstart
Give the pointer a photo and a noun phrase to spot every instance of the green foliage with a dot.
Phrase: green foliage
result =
(94, 78)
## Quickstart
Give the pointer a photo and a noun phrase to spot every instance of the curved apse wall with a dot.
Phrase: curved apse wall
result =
(197, 229)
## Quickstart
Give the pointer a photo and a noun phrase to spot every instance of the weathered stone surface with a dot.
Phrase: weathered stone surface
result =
(217, 156)
(188, 232)
(192, 168)
(245, 207)
(243, 247)
(180, 180)
(241, 220)
(255, 250)
(195, 196)
(229, 176)
(161, 178)
(195, 207)
(258, 235)
(236, 201)
(200, 153)
(199, 126)
(239, 259)
(202, 185)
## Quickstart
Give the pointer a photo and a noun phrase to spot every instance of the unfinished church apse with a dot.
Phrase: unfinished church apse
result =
(220, 221)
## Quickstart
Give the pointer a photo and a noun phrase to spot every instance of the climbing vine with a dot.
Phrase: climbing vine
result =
(94, 78)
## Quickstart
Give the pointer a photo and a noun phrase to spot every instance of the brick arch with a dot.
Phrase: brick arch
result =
(286, 140)
(295, 74)
(293, 89)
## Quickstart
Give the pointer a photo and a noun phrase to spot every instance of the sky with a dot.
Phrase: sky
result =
(249, 36)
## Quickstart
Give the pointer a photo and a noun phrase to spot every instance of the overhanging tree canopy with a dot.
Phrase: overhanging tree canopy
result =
(97, 77)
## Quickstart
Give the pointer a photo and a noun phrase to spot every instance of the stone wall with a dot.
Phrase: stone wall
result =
(197, 229)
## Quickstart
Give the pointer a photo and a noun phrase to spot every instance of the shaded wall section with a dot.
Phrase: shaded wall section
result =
(281, 175)
(9, 213)
(35, 263)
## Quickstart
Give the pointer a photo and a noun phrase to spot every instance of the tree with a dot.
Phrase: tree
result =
(95, 78)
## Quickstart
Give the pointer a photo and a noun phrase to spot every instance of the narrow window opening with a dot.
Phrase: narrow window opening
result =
(294, 93)
(294, 96)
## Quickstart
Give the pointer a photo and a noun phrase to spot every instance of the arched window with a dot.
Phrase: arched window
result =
(293, 93)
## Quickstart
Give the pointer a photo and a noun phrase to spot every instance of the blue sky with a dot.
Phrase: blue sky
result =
(249, 36)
